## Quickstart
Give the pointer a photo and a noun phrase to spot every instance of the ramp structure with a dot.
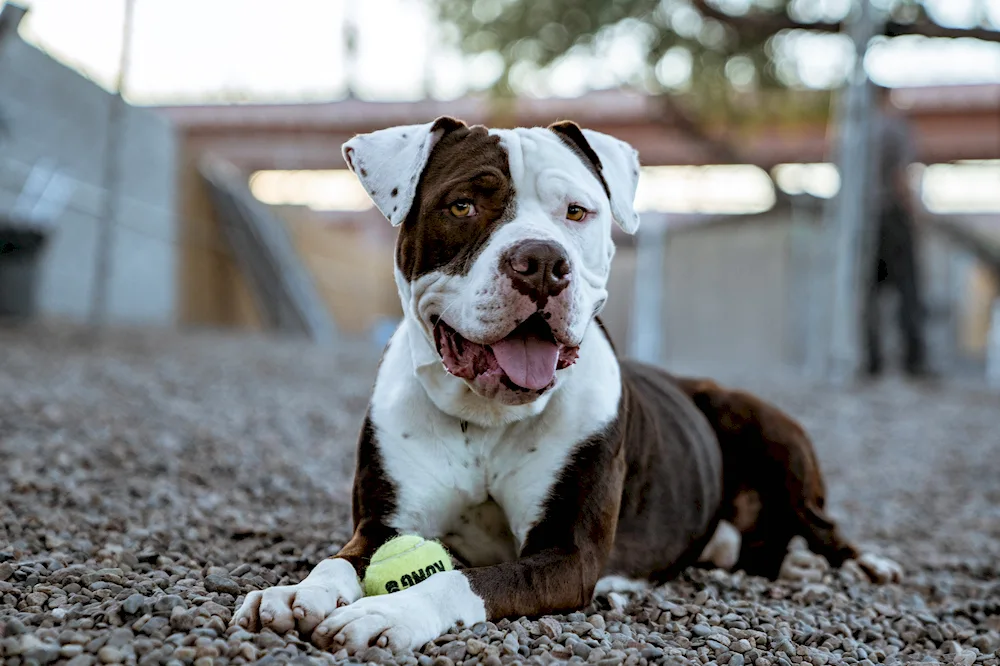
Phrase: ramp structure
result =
(283, 290)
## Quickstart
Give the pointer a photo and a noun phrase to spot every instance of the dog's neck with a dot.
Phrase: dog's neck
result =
(454, 397)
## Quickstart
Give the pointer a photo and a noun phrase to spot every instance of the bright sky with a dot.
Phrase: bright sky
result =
(191, 51)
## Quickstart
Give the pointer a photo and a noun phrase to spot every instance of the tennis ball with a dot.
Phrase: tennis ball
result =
(403, 562)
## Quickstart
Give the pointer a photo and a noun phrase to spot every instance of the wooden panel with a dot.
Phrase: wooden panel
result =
(211, 290)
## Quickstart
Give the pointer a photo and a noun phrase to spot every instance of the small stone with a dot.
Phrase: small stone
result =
(742, 645)
(240, 570)
(474, 646)
(109, 655)
(14, 627)
(167, 603)
(701, 630)
(965, 658)
(986, 643)
(6, 571)
(597, 620)
(551, 627)
(133, 604)
(81, 660)
(180, 620)
(582, 650)
(70, 650)
(492, 660)
(376, 654)
(736, 659)
(651, 653)
(510, 644)
(222, 584)
(267, 640)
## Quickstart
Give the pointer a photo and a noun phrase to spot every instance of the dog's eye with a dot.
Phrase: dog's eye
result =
(575, 213)
(462, 209)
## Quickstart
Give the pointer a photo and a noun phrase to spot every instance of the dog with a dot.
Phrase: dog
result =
(503, 422)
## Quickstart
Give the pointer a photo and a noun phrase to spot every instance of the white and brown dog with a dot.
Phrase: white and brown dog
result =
(504, 424)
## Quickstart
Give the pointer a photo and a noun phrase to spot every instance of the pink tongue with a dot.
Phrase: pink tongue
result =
(529, 361)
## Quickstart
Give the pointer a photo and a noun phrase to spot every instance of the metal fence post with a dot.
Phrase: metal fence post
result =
(112, 181)
(851, 212)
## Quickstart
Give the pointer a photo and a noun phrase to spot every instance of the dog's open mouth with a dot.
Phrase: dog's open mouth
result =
(525, 360)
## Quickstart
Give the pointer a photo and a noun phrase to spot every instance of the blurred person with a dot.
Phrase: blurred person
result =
(895, 258)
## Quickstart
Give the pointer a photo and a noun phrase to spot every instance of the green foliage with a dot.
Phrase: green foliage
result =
(729, 44)
(541, 31)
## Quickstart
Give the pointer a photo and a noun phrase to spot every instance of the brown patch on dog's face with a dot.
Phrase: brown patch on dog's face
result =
(466, 166)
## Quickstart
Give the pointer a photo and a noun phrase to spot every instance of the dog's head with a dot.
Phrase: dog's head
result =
(504, 246)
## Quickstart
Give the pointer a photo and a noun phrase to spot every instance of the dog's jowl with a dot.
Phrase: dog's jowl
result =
(503, 423)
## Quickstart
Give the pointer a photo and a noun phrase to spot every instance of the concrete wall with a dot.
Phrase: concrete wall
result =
(726, 292)
(53, 112)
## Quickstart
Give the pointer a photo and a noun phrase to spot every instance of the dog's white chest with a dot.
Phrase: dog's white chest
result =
(481, 489)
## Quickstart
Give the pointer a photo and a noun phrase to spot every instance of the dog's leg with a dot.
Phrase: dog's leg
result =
(724, 548)
(333, 583)
(563, 556)
(766, 450)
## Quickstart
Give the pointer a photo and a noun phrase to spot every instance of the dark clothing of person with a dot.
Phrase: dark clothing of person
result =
(895, 266)
(895, 256)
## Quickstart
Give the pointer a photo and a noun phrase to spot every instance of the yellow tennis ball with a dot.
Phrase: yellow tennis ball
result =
(403, 562)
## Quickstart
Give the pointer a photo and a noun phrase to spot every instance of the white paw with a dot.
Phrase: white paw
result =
(332, 584)
(403, 620)
(724, 549)
(880, 569)
(615, 583)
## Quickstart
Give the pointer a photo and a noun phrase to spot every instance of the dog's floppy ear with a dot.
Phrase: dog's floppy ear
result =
(389, 162)
(616, 162)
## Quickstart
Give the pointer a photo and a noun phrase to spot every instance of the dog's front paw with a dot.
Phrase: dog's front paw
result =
(403, 620)
(331, 585)
(880, 569)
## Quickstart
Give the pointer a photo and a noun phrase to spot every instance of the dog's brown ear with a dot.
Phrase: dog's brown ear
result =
(389, 162)
(572, 135)
(616, 164)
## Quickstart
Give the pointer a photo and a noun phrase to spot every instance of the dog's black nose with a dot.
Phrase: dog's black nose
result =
(537, 268)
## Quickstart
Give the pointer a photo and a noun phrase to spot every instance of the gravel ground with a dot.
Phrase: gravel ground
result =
(150, 484)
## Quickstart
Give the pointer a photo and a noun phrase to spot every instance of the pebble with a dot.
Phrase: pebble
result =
(81, 660)
(133, 604)
(222, 584)
(550, 627)
(109, 655)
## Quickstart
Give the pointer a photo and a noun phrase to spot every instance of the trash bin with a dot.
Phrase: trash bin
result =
(20, 259)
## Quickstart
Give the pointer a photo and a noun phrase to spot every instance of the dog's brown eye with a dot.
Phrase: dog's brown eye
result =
(575, 213)
(462, 209)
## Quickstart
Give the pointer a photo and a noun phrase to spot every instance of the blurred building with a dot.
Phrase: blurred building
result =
(56, 121)
(733, 290)
(698, 291)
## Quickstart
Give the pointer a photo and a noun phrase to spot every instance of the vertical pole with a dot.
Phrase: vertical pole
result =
(646, 332)
(852, 209)
(112, 181)
(350, 33)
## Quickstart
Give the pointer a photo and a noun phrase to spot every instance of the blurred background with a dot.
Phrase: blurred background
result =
(176, 164)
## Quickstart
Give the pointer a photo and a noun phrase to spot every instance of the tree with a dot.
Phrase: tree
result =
(718, 52)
